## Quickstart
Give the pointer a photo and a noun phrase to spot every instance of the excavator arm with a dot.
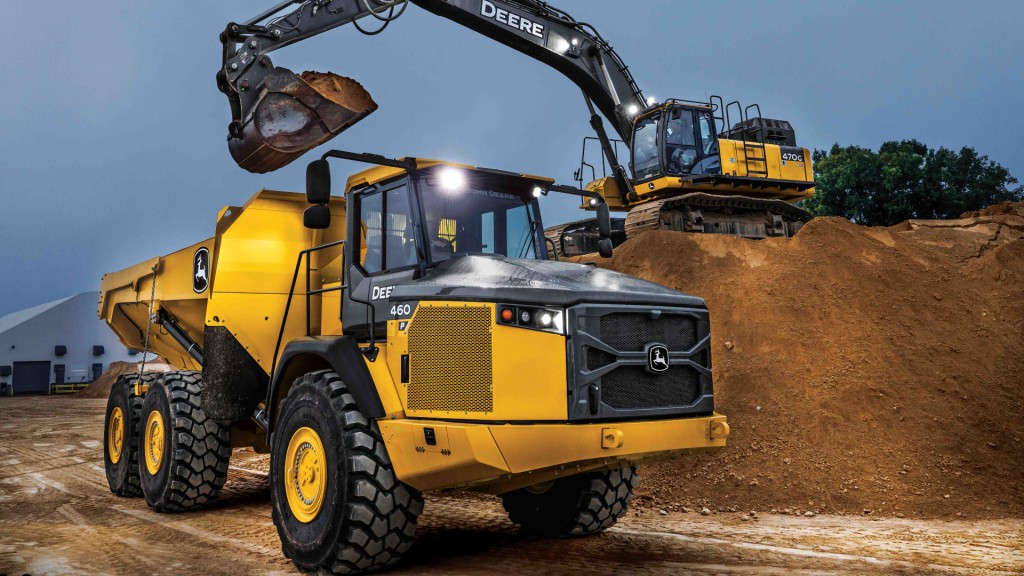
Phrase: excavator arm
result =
(278, 115)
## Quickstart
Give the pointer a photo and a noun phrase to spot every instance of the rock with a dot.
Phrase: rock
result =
(663, 512)
(745, 518)
(809, 514)
(728, 345)
(705, 512)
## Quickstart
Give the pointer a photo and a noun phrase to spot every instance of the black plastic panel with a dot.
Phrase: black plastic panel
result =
(608, 362)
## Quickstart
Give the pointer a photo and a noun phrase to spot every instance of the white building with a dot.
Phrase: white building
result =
(56, 343)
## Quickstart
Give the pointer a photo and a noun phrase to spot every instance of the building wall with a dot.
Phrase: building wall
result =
(72, 323)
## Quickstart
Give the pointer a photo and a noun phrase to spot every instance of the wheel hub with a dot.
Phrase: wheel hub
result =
(115, 435)
(154, 441)
(305, 474)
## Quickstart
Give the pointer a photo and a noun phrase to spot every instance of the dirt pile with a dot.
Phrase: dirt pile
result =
(100, 388)
(864, 370)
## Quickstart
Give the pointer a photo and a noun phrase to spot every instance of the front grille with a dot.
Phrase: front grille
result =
(614, 381)
(632, 387)
(450, 359)
(629, 332)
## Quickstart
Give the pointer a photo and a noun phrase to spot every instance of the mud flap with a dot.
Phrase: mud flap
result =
(294, 114)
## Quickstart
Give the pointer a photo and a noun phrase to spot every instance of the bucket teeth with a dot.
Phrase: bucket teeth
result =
(294, 114)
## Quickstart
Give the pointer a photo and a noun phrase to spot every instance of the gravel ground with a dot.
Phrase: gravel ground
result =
(58, 517)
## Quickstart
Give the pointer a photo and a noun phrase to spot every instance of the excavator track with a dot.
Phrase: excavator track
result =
(714, 214)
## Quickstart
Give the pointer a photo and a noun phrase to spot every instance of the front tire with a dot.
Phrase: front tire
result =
(336, 501)
(573, 506)
(183, 454)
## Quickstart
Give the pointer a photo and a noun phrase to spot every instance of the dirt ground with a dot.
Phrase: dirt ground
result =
(58, 517)
(864, 370)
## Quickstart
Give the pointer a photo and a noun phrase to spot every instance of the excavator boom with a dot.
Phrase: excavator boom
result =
(278, 115)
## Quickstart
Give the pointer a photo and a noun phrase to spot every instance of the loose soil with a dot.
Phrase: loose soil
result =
(100, 388)
(57, 516)
(867, 371)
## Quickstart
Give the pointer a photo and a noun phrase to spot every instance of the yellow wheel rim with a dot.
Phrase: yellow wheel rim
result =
(154, 442)
(305, 473)
(115, 435)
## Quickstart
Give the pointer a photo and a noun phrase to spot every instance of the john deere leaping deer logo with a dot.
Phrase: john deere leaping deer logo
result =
(200, 270)
(657, 358)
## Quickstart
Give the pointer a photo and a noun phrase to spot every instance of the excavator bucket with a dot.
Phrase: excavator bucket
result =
(294, 114)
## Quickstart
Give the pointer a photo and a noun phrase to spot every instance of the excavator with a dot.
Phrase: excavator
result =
(705, 167)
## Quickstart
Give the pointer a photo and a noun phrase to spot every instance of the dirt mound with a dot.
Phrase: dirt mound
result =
(863, 370)
(100, 388)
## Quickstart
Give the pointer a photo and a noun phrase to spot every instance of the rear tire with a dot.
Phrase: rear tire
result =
(573, 506)
(183, 455)
(121, 434)
(336, 501)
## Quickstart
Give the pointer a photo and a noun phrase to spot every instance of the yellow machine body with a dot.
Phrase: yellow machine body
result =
(252, 261)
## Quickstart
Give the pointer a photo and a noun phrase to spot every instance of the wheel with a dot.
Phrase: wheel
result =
(336, 502)
(121, 435)
(573, 506)
(183, 455)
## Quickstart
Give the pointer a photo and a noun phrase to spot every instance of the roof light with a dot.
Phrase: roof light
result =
(537, 191)
(651, 101)
(632, 110)
(452, 180)
(593, 202)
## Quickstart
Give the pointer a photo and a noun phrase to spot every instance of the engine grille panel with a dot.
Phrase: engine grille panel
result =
(632, 387)
(629, 332)
(614, 378)
(450, 359)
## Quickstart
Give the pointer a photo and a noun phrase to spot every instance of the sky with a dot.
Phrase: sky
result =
(112, 131)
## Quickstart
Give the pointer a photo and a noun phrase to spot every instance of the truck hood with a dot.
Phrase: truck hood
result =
(499, 279)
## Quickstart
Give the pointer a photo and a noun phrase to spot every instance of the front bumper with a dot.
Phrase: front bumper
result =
(496, 458)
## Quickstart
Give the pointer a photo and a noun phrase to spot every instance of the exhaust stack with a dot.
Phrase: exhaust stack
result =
(292, 114)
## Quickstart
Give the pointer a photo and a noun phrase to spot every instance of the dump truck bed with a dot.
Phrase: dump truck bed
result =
(238, 280)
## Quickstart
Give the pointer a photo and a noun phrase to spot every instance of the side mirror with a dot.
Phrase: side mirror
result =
(604, 221)
(318, 182)
(604, 247)
(317, 217)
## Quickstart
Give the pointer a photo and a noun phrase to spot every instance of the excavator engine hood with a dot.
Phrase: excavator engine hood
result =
(291, 114)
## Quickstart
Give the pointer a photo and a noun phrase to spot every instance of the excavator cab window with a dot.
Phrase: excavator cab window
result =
(646, 157)
(681, 150)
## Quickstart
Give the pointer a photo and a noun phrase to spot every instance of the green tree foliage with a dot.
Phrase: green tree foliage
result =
(906, 180)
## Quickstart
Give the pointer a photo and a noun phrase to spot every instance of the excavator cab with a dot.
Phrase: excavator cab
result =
(675, 139)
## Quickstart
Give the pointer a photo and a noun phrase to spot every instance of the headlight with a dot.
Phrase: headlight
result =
(546, 319)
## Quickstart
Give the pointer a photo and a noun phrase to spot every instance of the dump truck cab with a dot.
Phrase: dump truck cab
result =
(412, 335)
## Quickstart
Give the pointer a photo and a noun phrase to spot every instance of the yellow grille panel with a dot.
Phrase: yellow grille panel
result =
(450, 359)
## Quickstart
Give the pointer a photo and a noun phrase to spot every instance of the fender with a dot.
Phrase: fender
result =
(338, 353)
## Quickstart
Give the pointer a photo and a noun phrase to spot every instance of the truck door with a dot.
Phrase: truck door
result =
(384, 253)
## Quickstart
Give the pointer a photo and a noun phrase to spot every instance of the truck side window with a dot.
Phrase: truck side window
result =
(399, 248)
(371, 231)
(386, 231)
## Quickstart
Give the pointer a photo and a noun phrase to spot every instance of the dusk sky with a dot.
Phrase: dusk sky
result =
(112, 131)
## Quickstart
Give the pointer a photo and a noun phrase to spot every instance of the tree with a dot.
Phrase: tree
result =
(905, 180)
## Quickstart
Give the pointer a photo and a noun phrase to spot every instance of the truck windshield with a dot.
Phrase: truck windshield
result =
(466, 214)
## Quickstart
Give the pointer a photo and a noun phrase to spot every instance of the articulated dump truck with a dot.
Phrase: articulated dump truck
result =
(410, 336)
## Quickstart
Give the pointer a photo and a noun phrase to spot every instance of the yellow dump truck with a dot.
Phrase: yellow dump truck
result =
(412, 335)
